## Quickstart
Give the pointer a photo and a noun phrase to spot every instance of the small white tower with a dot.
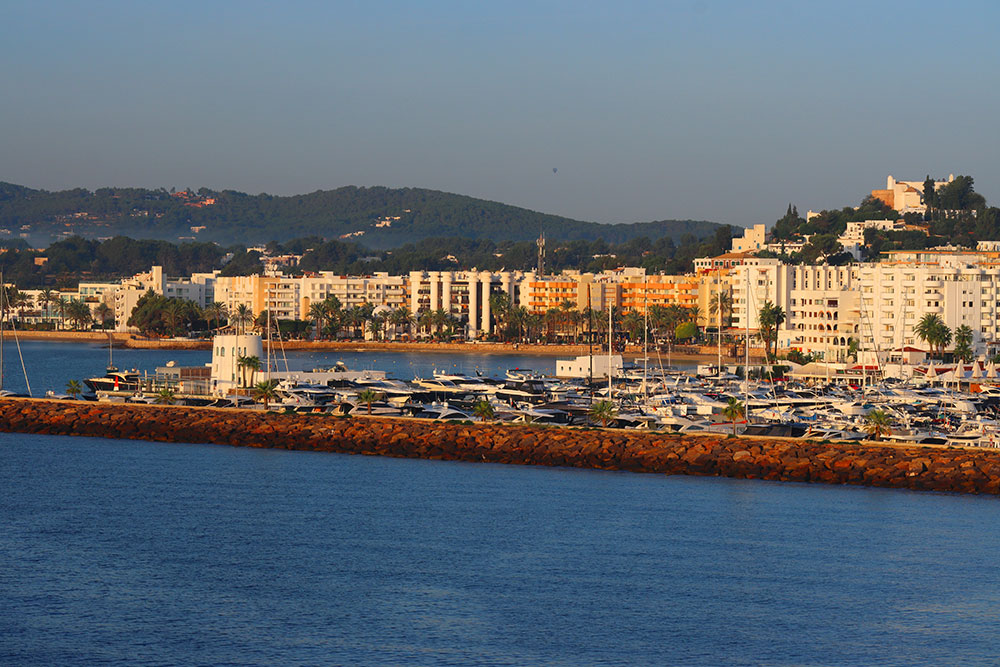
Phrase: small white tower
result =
(226, 352)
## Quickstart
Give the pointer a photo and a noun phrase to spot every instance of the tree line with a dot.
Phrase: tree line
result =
(65, 263)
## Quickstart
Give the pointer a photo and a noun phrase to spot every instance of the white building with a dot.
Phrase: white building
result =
(819, 303)
(895, 296)
(377, 289)
(463, 294)
(199, 288)
(753, 239)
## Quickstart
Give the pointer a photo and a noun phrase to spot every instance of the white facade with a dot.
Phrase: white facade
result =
(463, 294)
(199, 289)
(378, 289)
(756, 282)
(753, 239)
(226, 351)
(894, 297)
(821, 310)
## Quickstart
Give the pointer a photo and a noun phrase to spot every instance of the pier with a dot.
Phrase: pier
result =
(930, 468)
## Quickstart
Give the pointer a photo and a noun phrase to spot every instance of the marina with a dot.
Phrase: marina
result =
(934, 405)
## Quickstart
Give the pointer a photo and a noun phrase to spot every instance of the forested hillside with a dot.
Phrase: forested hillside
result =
(67, 262)
(378, 217)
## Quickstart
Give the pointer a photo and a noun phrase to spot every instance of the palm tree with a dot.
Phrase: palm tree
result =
(241, 318)
(943, 338)
(723, 300)
(604, 412)
(932, 330)
(173, 315)
(165, 397)
(734, 411)
(483, 409)
(215, 312)
(368, 396)
(963, 343)
(74, 388)
(263, 392)
(78, 313)
(500, 309)
(769, 319)
(877, 424)
(17, 300)
(104, 314)
(249, 363)
(569, 314)
(318, 313)
(634, 325)
(401, 317)
(62, 305)
(424, 321)
(694, 315)
(45, 297)
(440, 319)
(334, 315)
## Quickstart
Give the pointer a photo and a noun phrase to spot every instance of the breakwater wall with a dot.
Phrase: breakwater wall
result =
(964, 470)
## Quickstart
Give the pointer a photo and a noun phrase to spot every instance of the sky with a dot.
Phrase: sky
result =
(611, 112)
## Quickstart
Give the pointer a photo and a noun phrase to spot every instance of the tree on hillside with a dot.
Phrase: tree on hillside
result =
(787, 226)
(929, 195)
(959, 195)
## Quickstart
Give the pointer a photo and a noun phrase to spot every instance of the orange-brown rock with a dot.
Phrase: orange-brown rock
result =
(914, 467)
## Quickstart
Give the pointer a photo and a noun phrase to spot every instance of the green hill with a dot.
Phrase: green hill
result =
(378, 217)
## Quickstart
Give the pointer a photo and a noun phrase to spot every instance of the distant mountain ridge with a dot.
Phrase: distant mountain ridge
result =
(378, 217)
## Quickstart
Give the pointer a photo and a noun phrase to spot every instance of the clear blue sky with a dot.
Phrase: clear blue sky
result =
(723, 111)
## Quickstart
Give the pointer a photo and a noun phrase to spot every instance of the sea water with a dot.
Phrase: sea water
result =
(139, 552)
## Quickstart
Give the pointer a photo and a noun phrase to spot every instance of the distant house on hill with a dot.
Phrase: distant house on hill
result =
(906, 196)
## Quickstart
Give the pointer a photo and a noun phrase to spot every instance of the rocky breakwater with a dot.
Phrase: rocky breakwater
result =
(913, 467)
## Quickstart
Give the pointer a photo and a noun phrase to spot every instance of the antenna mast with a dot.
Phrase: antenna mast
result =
(541, 254)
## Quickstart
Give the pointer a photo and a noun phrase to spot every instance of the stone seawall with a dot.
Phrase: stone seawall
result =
(913, 467)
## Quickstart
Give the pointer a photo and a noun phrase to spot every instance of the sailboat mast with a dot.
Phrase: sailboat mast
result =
(746, 372)
(718, 308)
(590, 342)
(610, 325)
(268, 324)
(645, 344)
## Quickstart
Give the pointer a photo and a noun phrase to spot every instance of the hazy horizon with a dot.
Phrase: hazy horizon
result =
(637, 112)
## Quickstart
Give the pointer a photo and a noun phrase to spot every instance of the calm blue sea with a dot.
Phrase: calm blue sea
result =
(114, 551)
(149, 553)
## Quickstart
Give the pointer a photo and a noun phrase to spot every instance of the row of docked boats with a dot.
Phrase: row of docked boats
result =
(663, 399)
(642, 395)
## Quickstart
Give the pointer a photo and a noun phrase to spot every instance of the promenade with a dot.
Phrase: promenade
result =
(686, 354)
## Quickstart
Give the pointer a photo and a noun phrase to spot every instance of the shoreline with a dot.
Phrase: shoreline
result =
(132, 341)
(915, 467)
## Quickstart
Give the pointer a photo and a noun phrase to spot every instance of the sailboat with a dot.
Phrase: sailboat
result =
(114, 379)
